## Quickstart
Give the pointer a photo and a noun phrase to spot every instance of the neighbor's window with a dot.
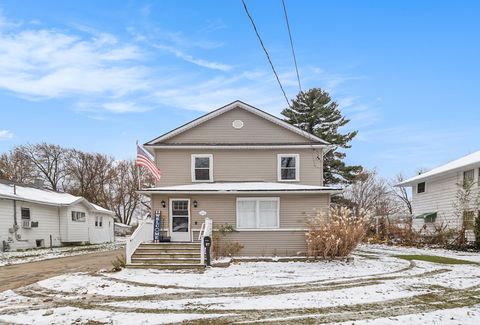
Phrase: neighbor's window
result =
(98, 222)
(288, 167)
(468, 177)
(202, 168)
(469, 219)
(257, 213)
(78, 216)
(421, 187)
(25, 213)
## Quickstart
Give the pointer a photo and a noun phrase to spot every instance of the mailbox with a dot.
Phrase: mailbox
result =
(207, 242)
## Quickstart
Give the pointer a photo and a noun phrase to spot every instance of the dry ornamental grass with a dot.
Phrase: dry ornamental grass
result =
(335, 234)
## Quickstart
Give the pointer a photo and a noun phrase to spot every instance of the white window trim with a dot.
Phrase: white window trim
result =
(416, 188)
(262, 198)
(192, 168)
(297, 167)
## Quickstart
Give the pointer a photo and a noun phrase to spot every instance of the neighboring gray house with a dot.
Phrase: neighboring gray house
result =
(434, 194)
(242, 167)
(35, 217)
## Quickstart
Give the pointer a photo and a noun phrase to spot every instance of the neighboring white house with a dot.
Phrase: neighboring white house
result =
(434, 194)
(36, 217)
(122, 229)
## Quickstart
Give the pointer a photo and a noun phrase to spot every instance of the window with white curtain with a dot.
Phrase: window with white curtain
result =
(258, 213)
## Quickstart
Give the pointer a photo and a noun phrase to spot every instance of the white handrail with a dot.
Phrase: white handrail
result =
(143, 233)
(205, 231)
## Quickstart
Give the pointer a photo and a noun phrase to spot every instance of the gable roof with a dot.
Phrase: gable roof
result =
(23, 192)
(227, 108)
(471, 159)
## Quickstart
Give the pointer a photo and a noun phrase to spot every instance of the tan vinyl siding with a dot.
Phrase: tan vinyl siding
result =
(255, 130)
(295, 209)
(237, 165)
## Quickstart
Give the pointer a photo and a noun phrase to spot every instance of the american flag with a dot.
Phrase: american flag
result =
(144, 160)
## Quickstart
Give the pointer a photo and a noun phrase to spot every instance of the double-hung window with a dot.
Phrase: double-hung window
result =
(202, 168)
(98, 222)
(25, 213)
(421, 187)
(468, 178)
(258, 213)
(288, 167)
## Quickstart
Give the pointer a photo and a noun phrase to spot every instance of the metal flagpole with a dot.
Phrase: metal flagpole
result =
(138, 168)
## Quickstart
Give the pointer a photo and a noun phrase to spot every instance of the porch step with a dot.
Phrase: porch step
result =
(166, 266)
(157, 254)
(155, 260)
(167, 256)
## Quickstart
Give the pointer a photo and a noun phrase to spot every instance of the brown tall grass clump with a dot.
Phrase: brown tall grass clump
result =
(335, 234)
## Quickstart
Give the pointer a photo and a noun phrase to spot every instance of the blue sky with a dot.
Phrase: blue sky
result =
(98, 75)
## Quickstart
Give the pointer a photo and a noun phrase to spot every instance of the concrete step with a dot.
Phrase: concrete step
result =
(169, 245)
(156, 254)
(198, 267)
(167, 250)
(154, 260)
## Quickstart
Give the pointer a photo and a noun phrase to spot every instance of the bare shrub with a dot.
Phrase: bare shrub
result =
(118, 263)
(335, 234)
(221, 246)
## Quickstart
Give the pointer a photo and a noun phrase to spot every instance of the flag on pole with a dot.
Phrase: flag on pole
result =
(144, 160)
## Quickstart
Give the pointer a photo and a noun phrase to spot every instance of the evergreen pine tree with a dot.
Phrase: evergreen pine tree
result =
(315, 112)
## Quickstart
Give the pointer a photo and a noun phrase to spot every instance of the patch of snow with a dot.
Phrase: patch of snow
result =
(83, 284)
(39, 254)
(248, 273)
(71, 315)
(454, 316)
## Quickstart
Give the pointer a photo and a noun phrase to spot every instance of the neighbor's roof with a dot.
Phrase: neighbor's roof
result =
(33, 194)
(454, 165)
(241, 187)
(227, 108)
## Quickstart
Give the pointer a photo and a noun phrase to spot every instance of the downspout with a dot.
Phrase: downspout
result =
(15, 223)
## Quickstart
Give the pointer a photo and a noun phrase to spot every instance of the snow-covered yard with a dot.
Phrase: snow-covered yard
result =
(380, 286)
(40, 254)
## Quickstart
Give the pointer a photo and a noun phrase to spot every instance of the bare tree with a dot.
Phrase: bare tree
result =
(89, 175)
(49, 160)
(123, 197)
(14, 166)
(401, 193)
(466, 204)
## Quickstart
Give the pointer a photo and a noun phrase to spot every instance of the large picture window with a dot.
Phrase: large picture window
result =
(258, 213)
(288, 167)
(202, 168)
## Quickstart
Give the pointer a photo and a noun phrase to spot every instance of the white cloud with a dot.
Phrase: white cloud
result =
(196, 61)
(45, 63)
(5, 135)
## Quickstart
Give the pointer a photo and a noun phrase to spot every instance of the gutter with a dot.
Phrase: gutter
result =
(326, 191)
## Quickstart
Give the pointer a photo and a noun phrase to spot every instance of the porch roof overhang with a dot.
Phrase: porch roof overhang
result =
(426, 215)
(241, 187)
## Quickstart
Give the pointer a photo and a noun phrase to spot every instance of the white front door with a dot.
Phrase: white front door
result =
(180, 220)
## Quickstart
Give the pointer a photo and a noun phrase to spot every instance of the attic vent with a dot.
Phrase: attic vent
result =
(237, 124)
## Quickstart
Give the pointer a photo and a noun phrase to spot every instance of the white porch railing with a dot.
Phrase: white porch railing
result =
(143, 233)
(205, 231)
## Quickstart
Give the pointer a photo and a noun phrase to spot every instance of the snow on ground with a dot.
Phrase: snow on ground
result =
(454, 316)
(71, 315)
(398, 250)
(83, 284)
(39, 254)
(246, 273)
(376, 285)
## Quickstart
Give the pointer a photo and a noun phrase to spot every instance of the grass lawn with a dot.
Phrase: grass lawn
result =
(434, 259)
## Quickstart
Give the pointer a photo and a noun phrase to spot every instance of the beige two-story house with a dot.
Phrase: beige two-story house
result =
(244, 168)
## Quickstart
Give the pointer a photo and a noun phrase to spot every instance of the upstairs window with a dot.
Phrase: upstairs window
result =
(421, 187)
(25, 214)
(468, 177)
(202, 168)
(288, 168)
(78, 216)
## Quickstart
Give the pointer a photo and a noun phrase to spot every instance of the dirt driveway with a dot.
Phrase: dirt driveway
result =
(19, 275)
